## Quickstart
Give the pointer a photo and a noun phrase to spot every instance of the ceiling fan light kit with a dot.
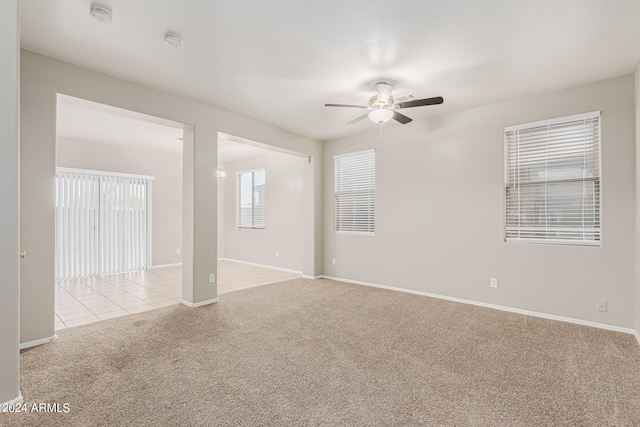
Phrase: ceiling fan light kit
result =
(382, 106)
(380, 115)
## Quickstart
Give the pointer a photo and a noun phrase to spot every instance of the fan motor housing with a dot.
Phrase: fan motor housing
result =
(375, 104)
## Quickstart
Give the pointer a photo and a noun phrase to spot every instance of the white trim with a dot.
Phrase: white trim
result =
(104, 173)
(260, 265)
(357, 233)
(495, 307)
(591, 243)
(13, 402)
(199, 304)
(34, 343)
(311, 277)
(637, 334)
(165, 265)
(564, 119)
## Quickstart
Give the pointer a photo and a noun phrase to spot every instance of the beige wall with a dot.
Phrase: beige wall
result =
(439, 211)
(449, 162)
(42, 79)
(637, 199)
(283, 207)
(9, 202)
(165, 165)
(221, 251)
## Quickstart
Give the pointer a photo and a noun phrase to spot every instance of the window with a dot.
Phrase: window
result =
(251, 191)
(355, 192)
(552, 181)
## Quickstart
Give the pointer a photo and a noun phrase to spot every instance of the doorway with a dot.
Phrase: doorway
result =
(260, 197)
(119, 212)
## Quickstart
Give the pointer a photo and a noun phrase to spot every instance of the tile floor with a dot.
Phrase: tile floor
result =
(234, 276)
(91, 299)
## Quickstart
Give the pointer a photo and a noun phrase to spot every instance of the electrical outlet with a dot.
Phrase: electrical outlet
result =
(601, 305)
(333, 261)
(277, 254)
(178, 251)
(494, 282)
(212, 278)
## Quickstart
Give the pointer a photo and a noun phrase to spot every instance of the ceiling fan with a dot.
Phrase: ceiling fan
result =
(383, 108)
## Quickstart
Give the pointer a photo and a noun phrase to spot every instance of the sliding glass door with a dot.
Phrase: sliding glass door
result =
(103, 223)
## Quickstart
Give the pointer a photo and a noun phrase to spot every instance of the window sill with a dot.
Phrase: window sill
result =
(582, 243)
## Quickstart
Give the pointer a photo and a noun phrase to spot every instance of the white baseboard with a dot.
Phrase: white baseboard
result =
(260, 265)
(495, 307)
(177, 264)
(38, 342)
(13, 402)
(199, 304)
(311, 277)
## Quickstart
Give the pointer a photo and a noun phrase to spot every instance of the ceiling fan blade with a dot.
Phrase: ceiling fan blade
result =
(420, 102)
(401, 118)
(357, 119)
(345, 105)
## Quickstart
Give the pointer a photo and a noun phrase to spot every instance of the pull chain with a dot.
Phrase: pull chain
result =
(380, 136)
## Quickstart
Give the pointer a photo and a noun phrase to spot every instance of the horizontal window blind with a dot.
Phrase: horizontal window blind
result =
(250, 212)
(355, 192)
(552, 181)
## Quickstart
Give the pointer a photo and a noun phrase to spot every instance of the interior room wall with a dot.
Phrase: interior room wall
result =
(9, 202)
(440, 211)
(165, 165)
(637, 199)
(283, 207)
(42, 79)
(221, 251)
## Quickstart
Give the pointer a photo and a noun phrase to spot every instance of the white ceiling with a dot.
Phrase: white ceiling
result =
(92, 122)
(279, 61)
(230, 150)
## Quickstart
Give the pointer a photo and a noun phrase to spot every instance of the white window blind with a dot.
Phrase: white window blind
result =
(552, 181)
(250, 211)
(102, 223)
(355, 192)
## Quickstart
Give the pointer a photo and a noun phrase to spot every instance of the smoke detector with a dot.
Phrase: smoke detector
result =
(172, 39)
(100, 14)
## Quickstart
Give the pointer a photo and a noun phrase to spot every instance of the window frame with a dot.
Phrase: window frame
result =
(371, 198)
(253, 225)
(596, 180)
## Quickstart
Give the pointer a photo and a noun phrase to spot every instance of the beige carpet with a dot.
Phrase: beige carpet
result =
(325, 353)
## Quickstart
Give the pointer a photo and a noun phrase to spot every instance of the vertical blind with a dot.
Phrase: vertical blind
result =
(250, 211)
(552, 181)
(355, 192)
(102, 223)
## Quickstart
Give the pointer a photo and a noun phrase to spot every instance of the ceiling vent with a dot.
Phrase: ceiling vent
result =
(405, 98)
